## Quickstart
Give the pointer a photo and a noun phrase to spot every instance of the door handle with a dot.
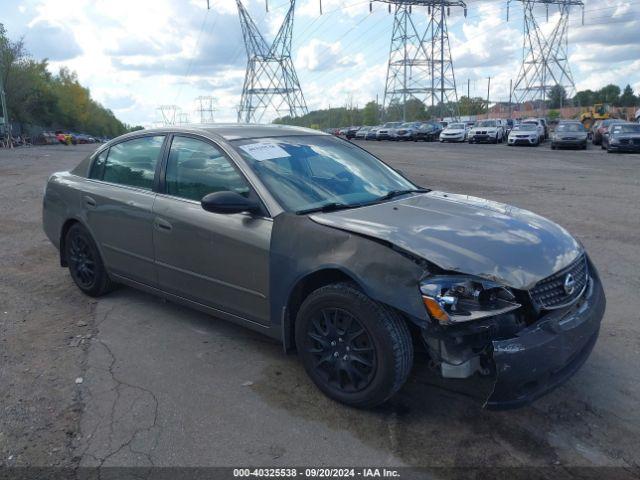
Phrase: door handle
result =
(163, 225)
(89, 202)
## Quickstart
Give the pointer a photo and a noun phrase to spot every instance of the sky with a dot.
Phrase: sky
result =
(135, 55)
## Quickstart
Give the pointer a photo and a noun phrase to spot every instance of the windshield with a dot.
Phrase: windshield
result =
(311, 171)
(570, 127)
(627, 128)
(391, 124)
(486, 123)
(456, 126)
(526, 126)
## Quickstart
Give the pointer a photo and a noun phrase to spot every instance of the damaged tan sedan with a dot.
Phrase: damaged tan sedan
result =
(318, 244)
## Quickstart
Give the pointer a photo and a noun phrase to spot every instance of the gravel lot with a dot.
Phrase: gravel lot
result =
(163, 385)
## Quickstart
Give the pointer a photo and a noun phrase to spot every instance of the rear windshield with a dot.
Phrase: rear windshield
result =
(526, 126)
(627, 128)
(570, 127)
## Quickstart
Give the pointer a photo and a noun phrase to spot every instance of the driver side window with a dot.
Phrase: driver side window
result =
(196, 168)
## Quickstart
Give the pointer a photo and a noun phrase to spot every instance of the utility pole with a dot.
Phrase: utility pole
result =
(488, 89)
(4, 121)
(510, 91)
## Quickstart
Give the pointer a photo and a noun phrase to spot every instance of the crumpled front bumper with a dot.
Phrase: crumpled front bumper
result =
(547, 353)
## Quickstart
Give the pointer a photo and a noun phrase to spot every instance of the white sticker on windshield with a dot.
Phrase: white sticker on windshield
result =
(264, 151)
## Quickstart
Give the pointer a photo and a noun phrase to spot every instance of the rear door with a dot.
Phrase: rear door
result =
(218, 260)
(118, 206)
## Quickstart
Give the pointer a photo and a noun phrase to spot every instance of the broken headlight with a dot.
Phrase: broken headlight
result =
(455, 299)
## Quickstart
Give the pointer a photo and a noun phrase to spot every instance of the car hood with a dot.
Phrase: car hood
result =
(627, 135)
(465, 234)
(571, 134)
(453, 130)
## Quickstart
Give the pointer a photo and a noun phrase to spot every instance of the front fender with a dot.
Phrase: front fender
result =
(300, 246)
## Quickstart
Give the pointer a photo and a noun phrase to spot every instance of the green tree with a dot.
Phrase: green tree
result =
(370, 114)
(608, 94)
(471, 106)
(557, 96)
(628, 99)
(584, 98)
(35, 96)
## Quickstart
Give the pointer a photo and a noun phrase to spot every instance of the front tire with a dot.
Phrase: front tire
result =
(85, 264)
(357, 351)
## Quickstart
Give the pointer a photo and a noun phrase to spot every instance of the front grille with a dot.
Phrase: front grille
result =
(568, 138)
(636, 141)
(624, 141)
(550, 292)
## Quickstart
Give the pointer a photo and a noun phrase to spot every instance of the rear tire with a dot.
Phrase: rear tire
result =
(85, 264)
(357, 351)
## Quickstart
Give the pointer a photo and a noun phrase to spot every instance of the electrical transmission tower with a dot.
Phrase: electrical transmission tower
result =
(169, 114)
(182, 118)
(420, 65)
(204, 107)
(545, 62)
(271, 84)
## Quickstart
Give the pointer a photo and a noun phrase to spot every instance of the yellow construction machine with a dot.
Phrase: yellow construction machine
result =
(600, 111)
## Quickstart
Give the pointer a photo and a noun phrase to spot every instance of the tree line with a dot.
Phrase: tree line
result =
(415, 110)
(610, 94)
(34, 96)
(412, 110)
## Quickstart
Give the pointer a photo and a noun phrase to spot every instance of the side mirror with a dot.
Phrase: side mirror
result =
(227, 202)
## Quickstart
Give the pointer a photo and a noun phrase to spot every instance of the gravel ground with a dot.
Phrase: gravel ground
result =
(163, 385)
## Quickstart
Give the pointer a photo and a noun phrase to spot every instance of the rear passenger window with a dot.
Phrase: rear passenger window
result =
(97, 169)
(196, 168)
(132, 163)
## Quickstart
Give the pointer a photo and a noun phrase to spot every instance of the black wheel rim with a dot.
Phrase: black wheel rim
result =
(342, 350)
(82, 261)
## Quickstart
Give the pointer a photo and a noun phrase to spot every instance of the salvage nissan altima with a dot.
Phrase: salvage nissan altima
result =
(320, 245)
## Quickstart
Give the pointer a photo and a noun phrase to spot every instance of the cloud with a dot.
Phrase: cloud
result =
(132, 46)
(52, 41)
(119, 102)
(318, 55)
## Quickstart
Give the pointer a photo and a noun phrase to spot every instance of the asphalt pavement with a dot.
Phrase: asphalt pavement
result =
(130, 379)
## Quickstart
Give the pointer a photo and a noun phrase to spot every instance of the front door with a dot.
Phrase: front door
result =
(118, 205)
(218, 260)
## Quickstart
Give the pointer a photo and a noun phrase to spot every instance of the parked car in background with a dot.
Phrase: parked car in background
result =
(372, 134)
(361, 134)
(486, 131)
(316, 243)
(455, 132)
(384, 132)
(622, 137)
(540, 125)
(545, 125)
(351, 132)
(405, 131)
(599, 132)
(509, 124)
(524, 134)
(569, 134)
(427, 132)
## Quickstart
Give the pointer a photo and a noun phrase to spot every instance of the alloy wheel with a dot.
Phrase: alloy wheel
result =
(342, 349)
(82, 261)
